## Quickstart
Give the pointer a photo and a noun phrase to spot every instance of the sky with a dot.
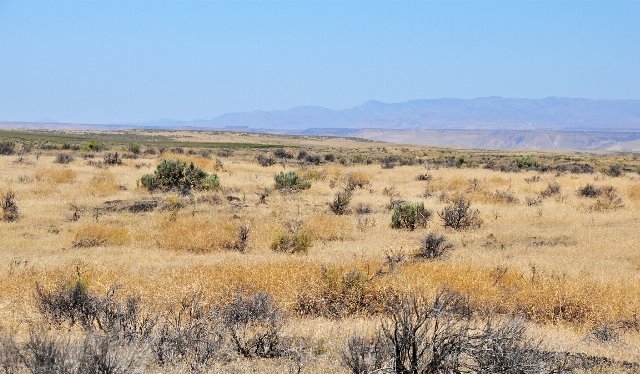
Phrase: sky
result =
(108, 61)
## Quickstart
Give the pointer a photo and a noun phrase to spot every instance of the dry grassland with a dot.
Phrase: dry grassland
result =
(567, 264)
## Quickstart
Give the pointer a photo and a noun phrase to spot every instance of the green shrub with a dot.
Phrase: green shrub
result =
(290, 181)
(135, 149)
(526, 162)
(94, 146)
(409, 216)
(176, 174)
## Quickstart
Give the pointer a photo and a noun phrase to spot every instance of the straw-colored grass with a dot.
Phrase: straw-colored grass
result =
(564, 267)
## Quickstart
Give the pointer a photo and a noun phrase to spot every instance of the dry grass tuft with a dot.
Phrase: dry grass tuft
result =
(358, 179)
(197, 235)
(57, 176)
(634, 193)
(103, 184)
(327, 227)
(201, 162)
(96, 234)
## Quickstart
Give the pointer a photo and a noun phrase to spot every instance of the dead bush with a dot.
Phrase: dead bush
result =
(112, 159)
(340, 204)
(254, 323)
(367, 355)
(551, 190)
(7, 148)
(589, 190)
(192, 333)
(72, 303)
(459, 215)
(265, 160)
(63, 158)
(443, 337)
(606, 197)
(242, 240)
(433, 246)
(9, 207)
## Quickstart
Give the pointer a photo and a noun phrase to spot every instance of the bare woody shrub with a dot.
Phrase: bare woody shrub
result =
(340, 204)
(192, 333)
(433, 246)
(9, 207)
(63, 158)
(444, 337)
(253, 323)
(459, 215)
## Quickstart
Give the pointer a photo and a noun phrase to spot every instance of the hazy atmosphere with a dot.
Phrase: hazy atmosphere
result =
(133, 61)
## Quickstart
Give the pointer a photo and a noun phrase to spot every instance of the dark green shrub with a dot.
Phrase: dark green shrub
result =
(526, 162)
(175, 174)
(135, 149)
(409, 216)
(290, 181)
(94, 146)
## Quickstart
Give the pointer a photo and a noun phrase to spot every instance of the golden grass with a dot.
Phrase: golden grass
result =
(103, 184)
(196, 235)
(199, 161)
(634, 193)
(56, 175)
(97, 234)
(586, 263)
(327, 226)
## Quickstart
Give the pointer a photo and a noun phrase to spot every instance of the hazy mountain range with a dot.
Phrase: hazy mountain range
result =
(490, 122)
(482, 113)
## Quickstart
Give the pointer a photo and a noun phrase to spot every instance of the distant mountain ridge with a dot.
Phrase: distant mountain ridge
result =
(496, 113)
(552, 123)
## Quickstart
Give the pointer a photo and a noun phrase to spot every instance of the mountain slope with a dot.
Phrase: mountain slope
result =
(481, 113)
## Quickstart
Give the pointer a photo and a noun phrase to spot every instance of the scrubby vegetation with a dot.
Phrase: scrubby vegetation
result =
(324, 261)
(460, 216)
(409, 216)
(176, 175)
(9, 207)
(290, 181)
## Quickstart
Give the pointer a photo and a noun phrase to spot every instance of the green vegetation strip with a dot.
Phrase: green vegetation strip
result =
(123, 139)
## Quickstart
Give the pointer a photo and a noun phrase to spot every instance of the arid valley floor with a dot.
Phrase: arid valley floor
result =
(248, 275)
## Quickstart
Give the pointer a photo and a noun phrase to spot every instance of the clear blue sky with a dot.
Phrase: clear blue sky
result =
(116, 61)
